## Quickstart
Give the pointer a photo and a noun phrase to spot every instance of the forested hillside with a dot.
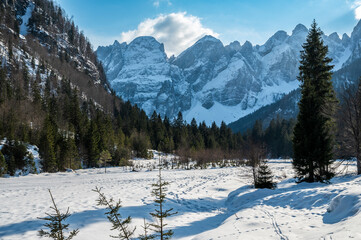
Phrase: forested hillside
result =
(54, 94)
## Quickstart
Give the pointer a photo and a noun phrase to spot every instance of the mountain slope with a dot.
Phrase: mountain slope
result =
(211, 82)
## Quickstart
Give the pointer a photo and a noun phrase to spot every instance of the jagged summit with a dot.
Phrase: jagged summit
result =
(247, 47)
(300, 28)
(279, 35)
(116, 43)
(356, 33)
(212, 82)
(208, 38)
(335, 37)
(147, 42)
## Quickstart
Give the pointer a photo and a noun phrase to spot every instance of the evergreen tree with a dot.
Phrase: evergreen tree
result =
(264, 176)
(104, 159)
(93, 144)
(159, 192)
(3, 165)
(313, 134)
(113, 215)
(48, 145)
(56, 224)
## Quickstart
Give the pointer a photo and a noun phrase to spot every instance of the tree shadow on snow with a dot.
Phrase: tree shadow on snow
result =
(312, 195)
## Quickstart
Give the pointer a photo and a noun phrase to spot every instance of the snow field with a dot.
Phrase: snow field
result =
(214, 203)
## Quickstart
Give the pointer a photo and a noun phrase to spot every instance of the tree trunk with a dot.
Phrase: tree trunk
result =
(358, 159)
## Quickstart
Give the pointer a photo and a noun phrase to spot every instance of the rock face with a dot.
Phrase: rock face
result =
(212, 82)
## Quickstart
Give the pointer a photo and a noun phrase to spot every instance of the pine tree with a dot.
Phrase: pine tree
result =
(93, 144)
(56, 224)
(104, 159)
(313, 134)
(48, 145)
(159, 192)
(113, 215)
(3, 165)
(264, 176)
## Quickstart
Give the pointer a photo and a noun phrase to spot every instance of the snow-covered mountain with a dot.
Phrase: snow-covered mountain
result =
(212, 82)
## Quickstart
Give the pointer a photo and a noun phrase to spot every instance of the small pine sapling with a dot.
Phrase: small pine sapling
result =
(159, 192)
(56, 224)
(146, 235)
(114, 216)
(264, 176)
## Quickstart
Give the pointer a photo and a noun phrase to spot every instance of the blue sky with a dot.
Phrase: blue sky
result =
(179, 23)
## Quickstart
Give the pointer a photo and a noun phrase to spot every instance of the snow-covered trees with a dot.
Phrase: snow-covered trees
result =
(313, 140)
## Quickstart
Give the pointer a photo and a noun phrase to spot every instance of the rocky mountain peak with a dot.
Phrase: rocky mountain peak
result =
(146, 43)
(300, 28)
(247, 47)
(208, 39)
(345, 39)
(206, 49)
(356, 33)
(213, 82)
(335, 37)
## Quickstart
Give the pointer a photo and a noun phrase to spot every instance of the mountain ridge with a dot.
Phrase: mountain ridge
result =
(212, 82)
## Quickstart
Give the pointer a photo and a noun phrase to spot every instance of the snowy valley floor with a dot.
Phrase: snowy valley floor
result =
(211, 204)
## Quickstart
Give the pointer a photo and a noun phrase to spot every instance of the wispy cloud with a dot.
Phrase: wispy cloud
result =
(177, 31)
(157, 3)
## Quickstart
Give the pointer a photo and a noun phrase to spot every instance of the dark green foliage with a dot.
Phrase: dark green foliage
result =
(15, 155)
(48, 145)
(93, 145)
(113, 215)
(159, 192)
(104, 159)
(313, 140)
(278, 138)
(56, 224)
(264, 177)
(3, 165)
(141, 144)
(49, 98)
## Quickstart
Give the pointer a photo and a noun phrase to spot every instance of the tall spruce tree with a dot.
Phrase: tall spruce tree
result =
(48, 145)
(313, 139)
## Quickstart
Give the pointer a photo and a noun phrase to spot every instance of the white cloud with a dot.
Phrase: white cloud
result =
(356, 6)
(358, 13)
(177, 31)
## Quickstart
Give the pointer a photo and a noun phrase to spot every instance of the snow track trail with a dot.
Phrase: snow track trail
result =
(213, 204)
(275, 225)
